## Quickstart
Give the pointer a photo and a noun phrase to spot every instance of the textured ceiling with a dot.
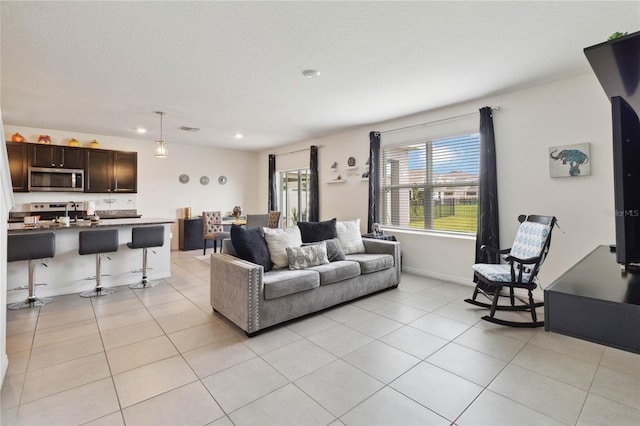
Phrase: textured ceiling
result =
(228, 67)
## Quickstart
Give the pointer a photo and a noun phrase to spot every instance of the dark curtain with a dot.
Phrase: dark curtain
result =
(488, 226)
(314, 196)
(374, 179)
(273, 194)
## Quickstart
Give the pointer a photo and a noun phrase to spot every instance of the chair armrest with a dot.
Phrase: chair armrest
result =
(528, 261)
(490, 249)
(236, 290)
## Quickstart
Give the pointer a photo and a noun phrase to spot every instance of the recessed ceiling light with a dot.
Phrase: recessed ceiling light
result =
(238, 135)
(311, 73)
(141, 130)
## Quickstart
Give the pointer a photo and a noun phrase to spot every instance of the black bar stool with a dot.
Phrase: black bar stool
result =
(31, 247)
(98, 242)
(145, 237)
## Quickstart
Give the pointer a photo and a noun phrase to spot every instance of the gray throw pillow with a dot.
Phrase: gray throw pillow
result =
(334, 250)
(305, 256)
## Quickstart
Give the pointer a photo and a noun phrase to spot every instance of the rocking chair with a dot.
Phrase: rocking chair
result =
(529, 250)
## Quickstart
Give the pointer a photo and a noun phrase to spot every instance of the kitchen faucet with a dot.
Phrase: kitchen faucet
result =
(75, 210)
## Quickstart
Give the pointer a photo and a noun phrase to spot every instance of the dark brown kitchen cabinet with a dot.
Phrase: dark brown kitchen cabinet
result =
(56, 156)
(125, 175)
(111, 171)
(17, 152)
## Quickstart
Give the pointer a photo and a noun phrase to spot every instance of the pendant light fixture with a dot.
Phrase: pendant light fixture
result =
(161, 146)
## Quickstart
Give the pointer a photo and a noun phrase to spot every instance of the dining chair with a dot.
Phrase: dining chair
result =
(213, 230)
(257, 221)
(274, 219)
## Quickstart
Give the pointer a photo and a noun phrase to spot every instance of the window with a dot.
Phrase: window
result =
(294, 196)
(431, 184)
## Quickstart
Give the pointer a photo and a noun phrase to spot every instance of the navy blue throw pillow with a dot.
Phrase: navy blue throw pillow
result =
(251, 246)
(312, 232)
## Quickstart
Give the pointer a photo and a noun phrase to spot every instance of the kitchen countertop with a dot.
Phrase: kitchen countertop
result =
(49, 225)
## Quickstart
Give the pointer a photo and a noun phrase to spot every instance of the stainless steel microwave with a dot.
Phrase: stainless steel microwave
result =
(56, 180)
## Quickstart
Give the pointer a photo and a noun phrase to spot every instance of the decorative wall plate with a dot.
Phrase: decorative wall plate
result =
(183, 178)
(204, 180)
(222, 180)
(351, 162)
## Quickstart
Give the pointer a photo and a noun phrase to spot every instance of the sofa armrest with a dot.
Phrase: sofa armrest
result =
(373, 246)
(236, 290)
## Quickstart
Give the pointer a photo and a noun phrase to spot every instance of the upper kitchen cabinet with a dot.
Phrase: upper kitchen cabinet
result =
(17, 152)
(111, 171)
(56, 156)
(125, 165)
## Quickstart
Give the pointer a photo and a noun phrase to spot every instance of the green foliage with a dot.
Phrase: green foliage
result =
(616, 35)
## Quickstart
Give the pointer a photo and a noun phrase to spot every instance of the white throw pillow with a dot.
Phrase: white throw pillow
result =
(349, 236)
(278, 239)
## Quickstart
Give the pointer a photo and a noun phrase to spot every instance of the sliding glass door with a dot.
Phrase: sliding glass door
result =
(294, 196)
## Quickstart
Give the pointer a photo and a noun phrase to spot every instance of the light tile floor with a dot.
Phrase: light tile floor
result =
(410, 356)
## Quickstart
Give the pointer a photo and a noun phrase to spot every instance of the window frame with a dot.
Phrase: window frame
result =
(428, 187)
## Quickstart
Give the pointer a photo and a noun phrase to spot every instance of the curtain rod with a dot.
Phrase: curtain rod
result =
(415, 126)
(298, 150)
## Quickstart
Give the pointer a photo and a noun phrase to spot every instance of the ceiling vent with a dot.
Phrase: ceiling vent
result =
(189, 129)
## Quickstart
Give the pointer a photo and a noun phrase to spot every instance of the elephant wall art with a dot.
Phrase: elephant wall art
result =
(570, 160)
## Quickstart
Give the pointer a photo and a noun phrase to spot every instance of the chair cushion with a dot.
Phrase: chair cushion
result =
(216, 235)
(282, 282)
(278, 240)
(529, 240)
(498, 273)
(250, 245)
(334, 250)
(349, 236)
(337, 271)
(304, 257)
(312, 232)
(371, 262)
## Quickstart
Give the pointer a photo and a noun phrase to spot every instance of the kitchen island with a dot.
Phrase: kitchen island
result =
(68, 272)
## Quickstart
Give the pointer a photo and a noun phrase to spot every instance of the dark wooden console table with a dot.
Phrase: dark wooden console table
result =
(596, 301)
(191, 234)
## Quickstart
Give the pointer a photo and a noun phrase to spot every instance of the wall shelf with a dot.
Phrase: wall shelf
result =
(337, 181)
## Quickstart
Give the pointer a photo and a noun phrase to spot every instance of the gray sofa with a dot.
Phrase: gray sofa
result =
(255, 300)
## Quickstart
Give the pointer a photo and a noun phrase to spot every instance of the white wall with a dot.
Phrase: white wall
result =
(160, 194)
(6, 203)
(571, 111)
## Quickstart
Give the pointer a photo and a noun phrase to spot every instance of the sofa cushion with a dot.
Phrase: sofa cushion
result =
(282, 282)
(334, 250)
(304, 257)
(337, 271)
(278, 240)
(312, 232)
(372, 262)
(349, 236)
(251, 246)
